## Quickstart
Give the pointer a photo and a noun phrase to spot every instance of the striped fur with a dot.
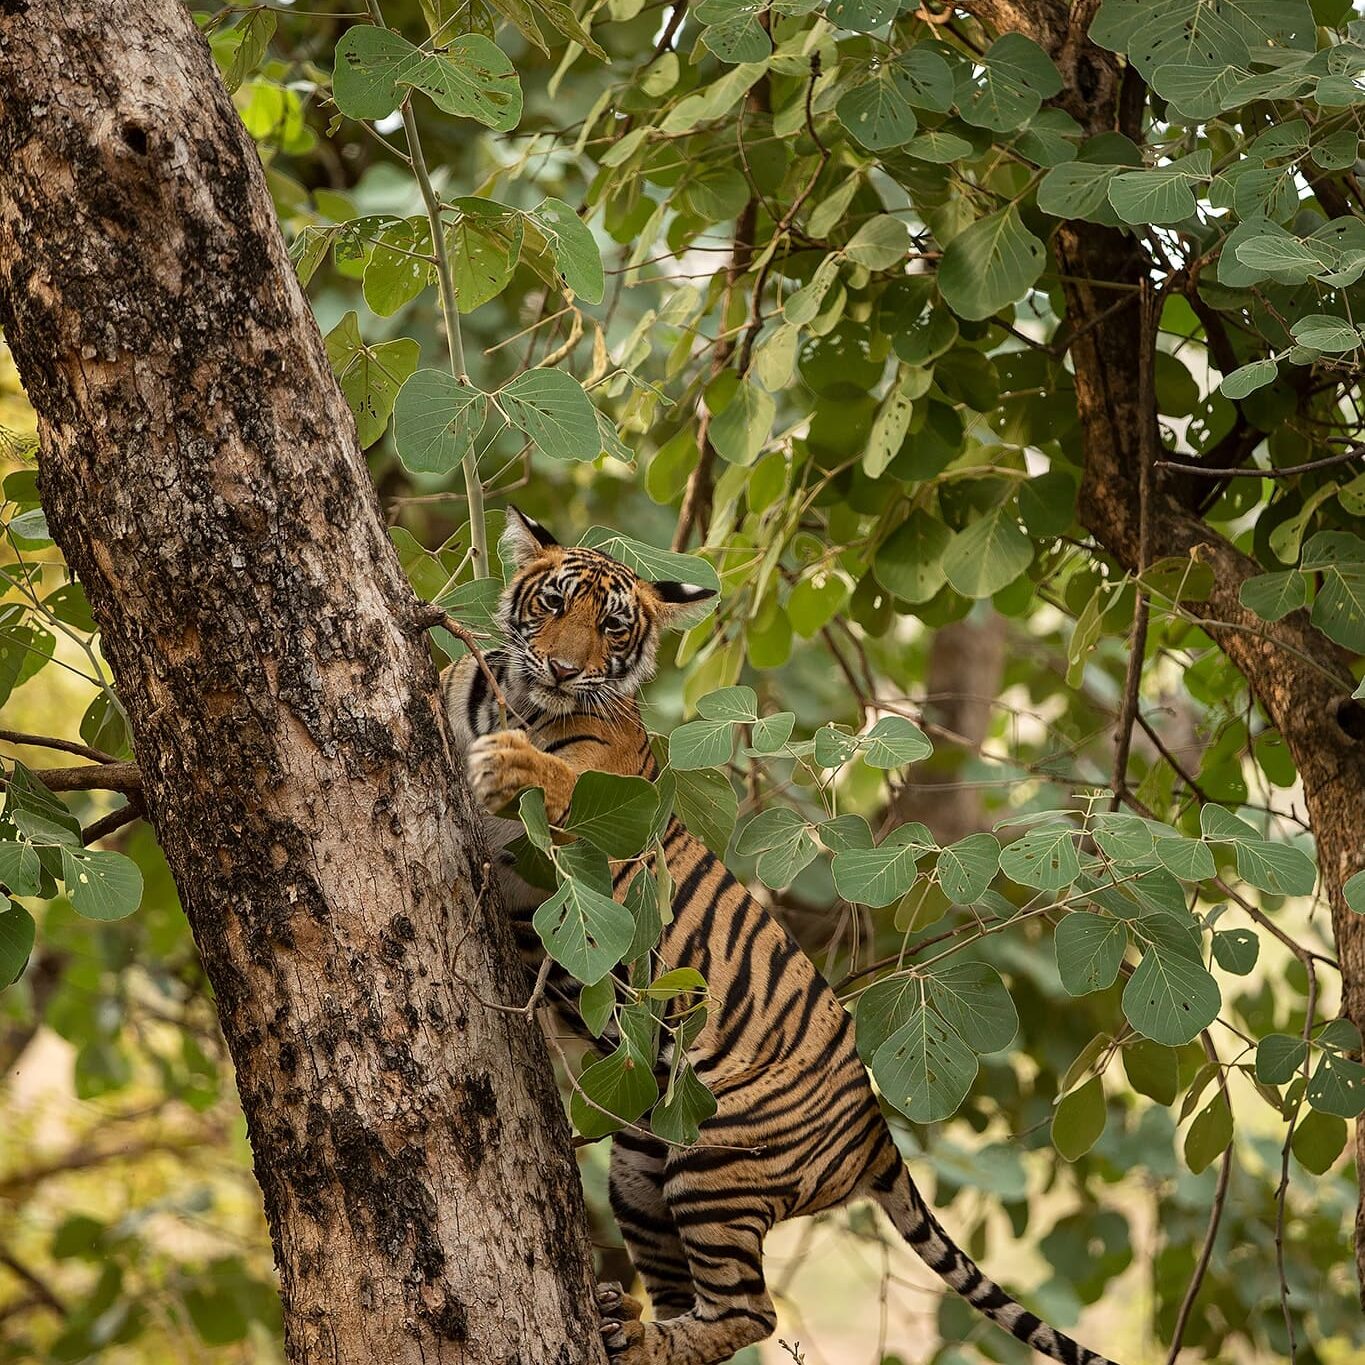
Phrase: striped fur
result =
(797, 1128)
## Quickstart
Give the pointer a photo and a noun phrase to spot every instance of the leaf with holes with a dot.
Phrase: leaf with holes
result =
(1337, 1086)
(1170, 997)
(101, 885)
(925, 1069)
(974, 1001)
(552, 409)
(965, 868)
(988, 555)
(436, 419)
(1236, 950)
(586, 932)
(1089, 951)
(1278, 1057)
(894, 741)
(878, 113)
(471, 77)
(738, 705)
(369, 65)
(370, 377)
(1043, 858)
(573, 246)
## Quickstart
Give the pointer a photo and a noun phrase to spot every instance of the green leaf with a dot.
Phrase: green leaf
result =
(1209, 1134)
(649, 561)
(741, 429)
(1078, 189)
(990, 265)
(622, 1085)
(1152, 1069)
(1274, 595)
(737, 37)
(909, 563)
(20, 870)
(1160, 195)
(965, 868)
(878, 112)
(613, 811)
(370, 63)
(552, 409)
(1199, 91)
(586, 932)
(815, 601)
(1277, 868)
(1236, 950)
(706, 803)
(878, 876)
(436, 420)
(471, 77)
(1124, 838)
(1248, 378)
(16, 942)
(1353, 892)
(700, 744)
(684, 1109)
(370, 376)
(484, 242)
(925, 1069)
(1170, 998)
(395, 274)
(738, 705)
(894, 741)
(772, 732)
(1319, 1140)
(1089, 950)
(1278, 1057)
(880, 243)
(973, 1000)
(1078, 1121)
(781, 839)
(1323, 332)
(36, 813)
(862, 16)
(1337, 1086)
(101, 885)
(1043, 858)
(1013, 78)
(574, 247)
(987, 555)
(531, 809)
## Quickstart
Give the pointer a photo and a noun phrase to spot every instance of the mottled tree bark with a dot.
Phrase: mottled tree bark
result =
(1300, 678)
(201, 473)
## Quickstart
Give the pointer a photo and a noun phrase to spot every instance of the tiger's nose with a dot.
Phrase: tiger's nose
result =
(562, 670)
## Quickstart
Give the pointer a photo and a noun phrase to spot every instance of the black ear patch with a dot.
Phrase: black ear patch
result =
(542, 536)
(682, 594)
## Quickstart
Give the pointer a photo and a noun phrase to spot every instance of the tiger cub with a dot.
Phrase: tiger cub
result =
(797, 1128)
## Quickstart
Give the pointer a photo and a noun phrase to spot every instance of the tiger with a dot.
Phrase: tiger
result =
(797, 1128)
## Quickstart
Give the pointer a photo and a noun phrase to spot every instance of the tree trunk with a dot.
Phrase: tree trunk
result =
(201, 473)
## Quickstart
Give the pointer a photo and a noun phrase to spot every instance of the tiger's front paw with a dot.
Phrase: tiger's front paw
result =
(503, 764)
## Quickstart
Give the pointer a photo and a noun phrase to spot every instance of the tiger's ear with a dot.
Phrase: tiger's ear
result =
(682, 604)
(522, 540)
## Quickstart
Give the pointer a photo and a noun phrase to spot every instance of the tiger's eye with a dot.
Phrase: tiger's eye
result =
(551, 600)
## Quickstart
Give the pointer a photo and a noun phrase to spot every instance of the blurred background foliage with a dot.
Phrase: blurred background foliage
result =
(1082, 1163)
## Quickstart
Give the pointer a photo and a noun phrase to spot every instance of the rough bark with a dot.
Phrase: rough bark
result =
(201, 473)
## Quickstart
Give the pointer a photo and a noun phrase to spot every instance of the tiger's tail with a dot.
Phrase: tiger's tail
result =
(915, 1222)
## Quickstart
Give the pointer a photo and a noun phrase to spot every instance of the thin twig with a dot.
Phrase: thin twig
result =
(1220, 1197)
(431, 615)
(1200, 472)
(66, 746)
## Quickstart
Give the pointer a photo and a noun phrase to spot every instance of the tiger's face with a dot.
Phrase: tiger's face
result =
(583, 629)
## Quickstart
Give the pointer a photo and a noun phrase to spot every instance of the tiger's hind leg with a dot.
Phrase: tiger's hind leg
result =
(721, 1232)
(651, 1236)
